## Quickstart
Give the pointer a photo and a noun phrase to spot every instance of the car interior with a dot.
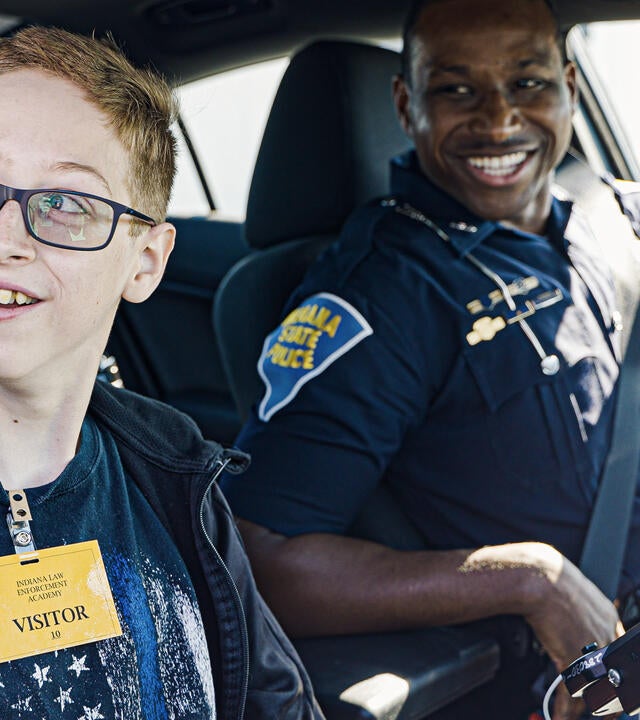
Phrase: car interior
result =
(330, 132)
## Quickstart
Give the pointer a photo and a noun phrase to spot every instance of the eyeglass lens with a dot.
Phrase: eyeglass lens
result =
(70, 220)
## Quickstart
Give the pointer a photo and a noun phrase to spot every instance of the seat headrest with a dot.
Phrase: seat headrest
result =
(327, 143)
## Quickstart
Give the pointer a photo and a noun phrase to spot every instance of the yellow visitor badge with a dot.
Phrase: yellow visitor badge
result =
(53, 599)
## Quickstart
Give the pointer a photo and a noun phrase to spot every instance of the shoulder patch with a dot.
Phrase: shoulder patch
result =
(308, 340)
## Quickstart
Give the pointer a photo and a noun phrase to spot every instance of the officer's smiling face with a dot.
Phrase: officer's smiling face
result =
(489, 105)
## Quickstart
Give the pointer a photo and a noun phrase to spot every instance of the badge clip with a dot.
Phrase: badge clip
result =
(18, 519)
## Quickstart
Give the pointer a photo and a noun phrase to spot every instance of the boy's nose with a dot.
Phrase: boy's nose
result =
(15, 241)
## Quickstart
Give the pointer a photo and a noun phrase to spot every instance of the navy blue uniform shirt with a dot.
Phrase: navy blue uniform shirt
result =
(397, 358)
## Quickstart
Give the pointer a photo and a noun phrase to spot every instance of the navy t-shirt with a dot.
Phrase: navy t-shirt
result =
(159, 668)
(380, 370)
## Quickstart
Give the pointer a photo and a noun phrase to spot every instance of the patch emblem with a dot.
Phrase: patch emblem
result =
(308, 340)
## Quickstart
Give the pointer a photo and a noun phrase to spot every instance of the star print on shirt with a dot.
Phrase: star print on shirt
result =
(92, 713)
(64, 698)
(78, 665)
(23, 704)
(41, 675)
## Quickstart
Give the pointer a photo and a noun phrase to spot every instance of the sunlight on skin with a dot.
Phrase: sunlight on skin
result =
(519, 555)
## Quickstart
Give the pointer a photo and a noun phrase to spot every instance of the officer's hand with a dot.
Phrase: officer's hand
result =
(568, 613)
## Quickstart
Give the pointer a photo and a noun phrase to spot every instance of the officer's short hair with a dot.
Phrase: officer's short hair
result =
(413, 15)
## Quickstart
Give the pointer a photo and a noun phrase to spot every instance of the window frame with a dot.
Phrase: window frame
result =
(596, 123)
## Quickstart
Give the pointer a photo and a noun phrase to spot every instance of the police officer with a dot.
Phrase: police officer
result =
(460, 343)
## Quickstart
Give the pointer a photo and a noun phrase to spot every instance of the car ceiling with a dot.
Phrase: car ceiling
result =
(186, 39)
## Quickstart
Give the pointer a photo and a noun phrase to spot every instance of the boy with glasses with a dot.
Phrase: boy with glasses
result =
(124, 590)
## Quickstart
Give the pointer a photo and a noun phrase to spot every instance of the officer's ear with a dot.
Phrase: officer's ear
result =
(402, 102)
(571, 83)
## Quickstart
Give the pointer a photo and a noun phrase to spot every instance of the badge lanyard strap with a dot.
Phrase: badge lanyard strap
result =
(548, 363)
(18, 519)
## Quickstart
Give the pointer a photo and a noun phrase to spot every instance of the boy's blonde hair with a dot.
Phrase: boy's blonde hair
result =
(138, 102)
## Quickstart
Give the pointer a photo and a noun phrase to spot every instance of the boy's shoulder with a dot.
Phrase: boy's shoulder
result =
(117, 407)
(155, 430)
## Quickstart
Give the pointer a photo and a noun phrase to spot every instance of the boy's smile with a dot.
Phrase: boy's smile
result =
(15, 297)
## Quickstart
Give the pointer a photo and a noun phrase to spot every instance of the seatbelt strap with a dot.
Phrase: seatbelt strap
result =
(606, 540)
(605, 543)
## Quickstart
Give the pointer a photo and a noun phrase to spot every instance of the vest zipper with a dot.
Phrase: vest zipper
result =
(222, 464)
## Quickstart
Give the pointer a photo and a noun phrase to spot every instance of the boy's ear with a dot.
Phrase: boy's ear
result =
(157, 245)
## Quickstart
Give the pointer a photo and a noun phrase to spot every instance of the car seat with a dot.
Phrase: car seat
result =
(326, 148)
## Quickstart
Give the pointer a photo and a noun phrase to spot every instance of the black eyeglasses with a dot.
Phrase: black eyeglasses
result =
(69, 219)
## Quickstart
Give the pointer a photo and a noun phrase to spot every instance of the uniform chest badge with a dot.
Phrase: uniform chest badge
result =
(485, 328)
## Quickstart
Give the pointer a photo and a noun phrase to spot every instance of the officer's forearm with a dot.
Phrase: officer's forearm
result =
(327, 584)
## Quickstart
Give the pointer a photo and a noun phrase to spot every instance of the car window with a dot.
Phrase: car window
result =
(609, 54)
(224, 116)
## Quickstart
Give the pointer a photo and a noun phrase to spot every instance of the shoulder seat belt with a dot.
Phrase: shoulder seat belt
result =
(612, 209)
